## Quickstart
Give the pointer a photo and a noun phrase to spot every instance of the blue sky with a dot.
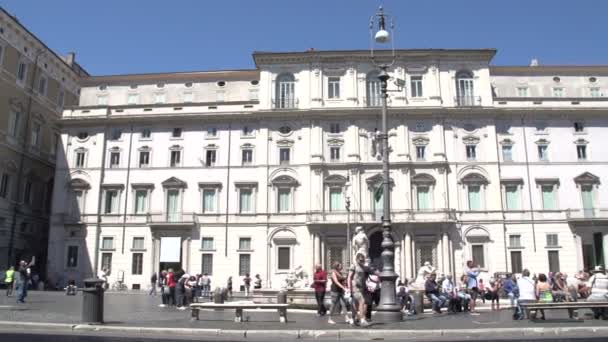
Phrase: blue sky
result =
(128, 36)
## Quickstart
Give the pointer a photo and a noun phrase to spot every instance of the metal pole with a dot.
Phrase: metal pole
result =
(388, 309)
(348, 244)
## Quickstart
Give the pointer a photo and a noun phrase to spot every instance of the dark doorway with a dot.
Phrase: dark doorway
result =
(375, 250)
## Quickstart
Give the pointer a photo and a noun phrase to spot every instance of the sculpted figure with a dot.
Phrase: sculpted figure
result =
(361, 243)
(424, 272)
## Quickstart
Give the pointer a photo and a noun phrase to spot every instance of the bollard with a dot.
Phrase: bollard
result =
(418, 301)
(92, 301)
(218, 297)
(282, 297)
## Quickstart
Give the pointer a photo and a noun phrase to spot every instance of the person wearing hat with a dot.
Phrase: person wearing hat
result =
(599, 291)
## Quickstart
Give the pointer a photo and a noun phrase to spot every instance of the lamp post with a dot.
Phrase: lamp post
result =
(388, 310)
(348, 242)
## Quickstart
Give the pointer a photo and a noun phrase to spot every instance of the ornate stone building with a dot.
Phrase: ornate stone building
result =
(249, 171)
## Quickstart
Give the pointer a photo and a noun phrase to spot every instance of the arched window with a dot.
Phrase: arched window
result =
(465, 94)
(372, 88)
(286, 91)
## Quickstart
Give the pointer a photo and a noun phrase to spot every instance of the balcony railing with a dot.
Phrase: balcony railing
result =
(285, 103)
(467, 101)
(171, 218)
(587, 214)
(340, 216)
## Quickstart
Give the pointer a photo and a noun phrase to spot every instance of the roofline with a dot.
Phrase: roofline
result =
(14, 18)
(579, 70)
(161, 76)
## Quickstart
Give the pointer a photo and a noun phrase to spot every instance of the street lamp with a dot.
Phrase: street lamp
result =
(388, 310)
(348, 242)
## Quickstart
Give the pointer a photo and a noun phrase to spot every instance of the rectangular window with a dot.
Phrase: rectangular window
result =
(284, 258)
(107, 242)
(159, 98)
(254, 94)
(138, 243)
(334, 154)
(284, 200)
(478, 255)
(106, 261)
(208, 200)
(516, 262)
(284, 156)
(211, 132)
(552, 240)
(210, 158)
(72, 261)
(141, 201)
(587, 198)
(137, 264)
(558, 92)
(245, 244)
(474, 197)
(515, 241)
(42, 85)
(207, 243)
(543, 153)
(247, 131)
(522, 91)
(14, 123)
(4, 182)
(335, 199)
(146, 133)
(416, 86)
(512, 197)
(176, 157)
(21, 72)
(114, 159)
(581, 152)
(334, 128)
(207, 264)
(111, 202)
(116, 134)
(553, 261)
(245, 201)
(594, 92)
(61, 99)
(176, 133)
(333, 87)
(247, 157)
(102, 100)
(420, 152)
(548, 194)
(471, 152)
(27, 193)
(144, 158)
(579, 126)
(424, 197)
(80, 158)
(244, 264)
(35, 138)
(132, 99)
(507, 153)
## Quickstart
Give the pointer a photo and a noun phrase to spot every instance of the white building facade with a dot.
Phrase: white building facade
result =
(234, 172)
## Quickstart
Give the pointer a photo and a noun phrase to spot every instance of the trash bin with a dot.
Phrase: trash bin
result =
(418, 301)
(218, 296)
(282, 297)
(92, 301)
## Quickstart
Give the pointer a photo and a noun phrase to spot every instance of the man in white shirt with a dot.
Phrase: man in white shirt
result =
(527, 292)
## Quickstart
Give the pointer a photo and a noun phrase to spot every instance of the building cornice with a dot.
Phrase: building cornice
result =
(194, 76)
(550, 70)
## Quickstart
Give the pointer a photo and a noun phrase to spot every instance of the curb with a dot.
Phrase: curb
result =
(308, 334)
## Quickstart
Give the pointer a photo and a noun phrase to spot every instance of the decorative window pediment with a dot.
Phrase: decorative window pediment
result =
(474, 179)
(512, 181)
(420, 141)
(376, 180)
(174, 182)
(423, 179)
(335, 142)
(587, 178)
(175, 148)
(142, 186)
(285, 142)
(144, 149)
(246, 184)
(507, 142)
(211, 147)
(113, 186)
(335, 180)
(547, 181)
(80, 184)
(470, 140)
(210, 185)
(542, 142)
(285, 181)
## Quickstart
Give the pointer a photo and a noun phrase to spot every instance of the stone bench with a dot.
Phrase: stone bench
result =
(534, 306)
(239, 307)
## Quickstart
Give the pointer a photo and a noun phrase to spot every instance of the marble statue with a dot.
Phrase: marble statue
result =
(361, 243)
(423, 274)
(295, 279)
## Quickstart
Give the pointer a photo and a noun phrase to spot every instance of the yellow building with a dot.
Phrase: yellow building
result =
(35, 85)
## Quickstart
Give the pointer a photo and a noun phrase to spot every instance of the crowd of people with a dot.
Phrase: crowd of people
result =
(19, 280)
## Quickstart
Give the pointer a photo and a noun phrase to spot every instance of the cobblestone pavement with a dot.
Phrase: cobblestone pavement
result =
(143, 311)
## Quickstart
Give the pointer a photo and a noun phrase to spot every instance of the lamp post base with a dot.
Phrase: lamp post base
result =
(389, 309)
(388, 316)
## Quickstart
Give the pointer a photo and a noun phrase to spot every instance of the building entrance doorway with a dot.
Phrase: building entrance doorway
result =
(375, 250)
(171, 254)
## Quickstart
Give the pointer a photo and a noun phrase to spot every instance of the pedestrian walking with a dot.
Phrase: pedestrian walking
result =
(153, 281)
(22, 280)
(472, 272)
(357, 276)
(337, 290)
(229, 286)
(164, 289)
(257, 283)
(320, 284)
(205, 283)
(9, 278)
(247, 283)
(171, 283)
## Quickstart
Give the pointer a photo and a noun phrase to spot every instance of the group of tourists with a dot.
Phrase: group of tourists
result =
(19, 280)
